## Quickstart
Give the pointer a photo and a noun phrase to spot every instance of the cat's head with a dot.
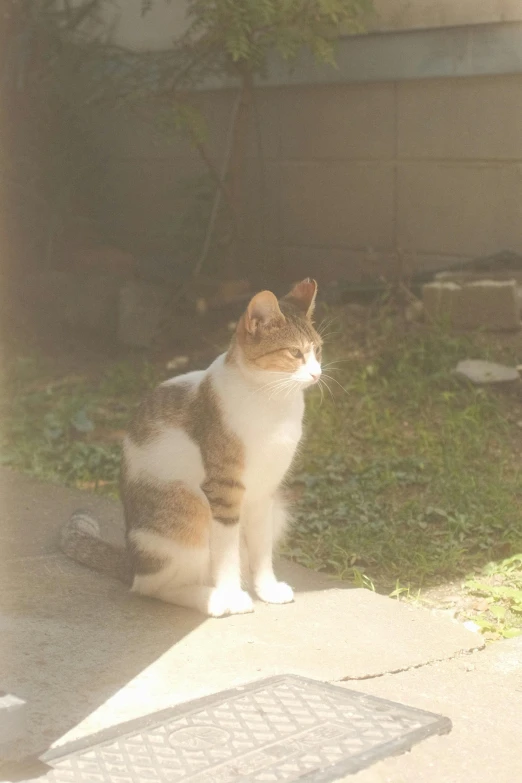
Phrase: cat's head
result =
(279, 336)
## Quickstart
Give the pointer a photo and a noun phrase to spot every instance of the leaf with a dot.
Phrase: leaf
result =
(81, 422)
(484, 625)
(511, 633)
(478, 587)
(498, 611)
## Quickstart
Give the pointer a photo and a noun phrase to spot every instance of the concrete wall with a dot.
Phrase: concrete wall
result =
(413, 143)
(349, 173)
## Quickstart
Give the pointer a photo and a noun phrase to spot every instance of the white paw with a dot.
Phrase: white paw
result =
(275, 593)
(223, 602)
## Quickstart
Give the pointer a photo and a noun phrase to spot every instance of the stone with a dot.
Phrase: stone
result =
(486, 304)
(93, 303)
(82, 300)
(481, 372)
(504, 268)
(142, 307)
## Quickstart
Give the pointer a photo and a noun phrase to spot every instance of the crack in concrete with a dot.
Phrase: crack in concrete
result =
(460, 653)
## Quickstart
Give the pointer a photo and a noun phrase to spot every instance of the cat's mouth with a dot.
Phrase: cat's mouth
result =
(312, 380)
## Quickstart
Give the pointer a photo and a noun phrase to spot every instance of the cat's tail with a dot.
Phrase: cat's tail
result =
(80, 539)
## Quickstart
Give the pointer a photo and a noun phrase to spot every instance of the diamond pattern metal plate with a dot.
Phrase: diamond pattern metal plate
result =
(280, 729)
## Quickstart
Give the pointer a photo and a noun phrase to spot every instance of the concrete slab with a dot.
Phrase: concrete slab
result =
(482, 694)
(85, 654)
(488, 304)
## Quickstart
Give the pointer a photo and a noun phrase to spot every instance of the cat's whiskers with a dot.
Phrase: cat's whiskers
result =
(277, 389)
(325, 335)
(323, 383)
(288, 386)
(326, 323)
(322, 392)
(271, 386)
(331, 366)
(334, 361)
(331, 378)
(278, 386)
(268, 385)
(276, 392)
(293, 387)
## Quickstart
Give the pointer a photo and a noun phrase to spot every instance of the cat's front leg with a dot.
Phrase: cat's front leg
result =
(227, 596)
(263, 520)
(225, 495)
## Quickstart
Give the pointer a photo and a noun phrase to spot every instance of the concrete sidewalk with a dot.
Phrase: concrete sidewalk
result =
(482, 694)
(86, 654)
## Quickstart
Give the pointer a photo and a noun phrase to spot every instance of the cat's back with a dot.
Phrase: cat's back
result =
(165, 406)
(157, 447)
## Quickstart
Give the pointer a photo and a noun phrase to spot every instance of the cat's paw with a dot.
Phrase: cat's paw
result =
(223, 602)
(275, 593)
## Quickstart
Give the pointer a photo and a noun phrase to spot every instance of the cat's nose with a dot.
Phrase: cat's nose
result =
(315, 376)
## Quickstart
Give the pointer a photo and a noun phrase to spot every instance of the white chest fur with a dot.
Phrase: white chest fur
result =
(269, 426)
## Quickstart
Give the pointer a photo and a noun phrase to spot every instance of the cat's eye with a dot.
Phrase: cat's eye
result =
(296, 353)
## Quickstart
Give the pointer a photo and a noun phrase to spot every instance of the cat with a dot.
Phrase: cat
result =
(204, 463)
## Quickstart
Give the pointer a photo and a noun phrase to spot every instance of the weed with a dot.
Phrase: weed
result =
(69, 430)
(408, 477)
(499, 614)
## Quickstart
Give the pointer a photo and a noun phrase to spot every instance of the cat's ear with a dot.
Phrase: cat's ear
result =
(303, 296)
(263, 309)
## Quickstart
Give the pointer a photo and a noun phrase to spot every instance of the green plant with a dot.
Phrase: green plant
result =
(500, 586)
(69, 430)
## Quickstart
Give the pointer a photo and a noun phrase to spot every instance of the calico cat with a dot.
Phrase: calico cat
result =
(204, 462)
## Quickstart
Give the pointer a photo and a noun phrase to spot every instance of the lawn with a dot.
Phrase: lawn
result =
(408, 481)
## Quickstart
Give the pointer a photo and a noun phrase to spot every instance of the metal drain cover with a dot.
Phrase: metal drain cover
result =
(278, 729)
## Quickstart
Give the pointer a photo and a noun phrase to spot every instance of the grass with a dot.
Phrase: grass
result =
(408, 478)
(68, 430)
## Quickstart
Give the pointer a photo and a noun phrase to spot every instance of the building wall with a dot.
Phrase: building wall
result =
(345, 169)
(339, 177)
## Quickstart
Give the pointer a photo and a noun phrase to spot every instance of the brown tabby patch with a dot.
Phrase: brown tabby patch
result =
(222, 453)
(88, 548)
(163, 406)
(165, 509)
(172, 510)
